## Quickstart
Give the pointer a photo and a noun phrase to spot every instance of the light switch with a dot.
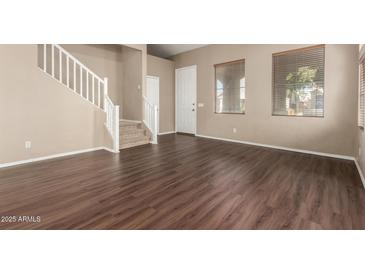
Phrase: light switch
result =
(200, 105)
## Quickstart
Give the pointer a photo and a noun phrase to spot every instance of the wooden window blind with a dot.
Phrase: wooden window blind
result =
(361, 111)
(298, 82)
(230, 87)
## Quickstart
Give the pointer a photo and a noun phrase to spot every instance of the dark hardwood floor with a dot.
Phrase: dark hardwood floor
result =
(184, 183)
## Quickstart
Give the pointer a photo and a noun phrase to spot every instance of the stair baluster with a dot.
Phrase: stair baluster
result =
(103, 102)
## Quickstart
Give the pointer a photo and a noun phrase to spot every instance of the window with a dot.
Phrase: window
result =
(298, 82)
(362, 92)
(230, 87)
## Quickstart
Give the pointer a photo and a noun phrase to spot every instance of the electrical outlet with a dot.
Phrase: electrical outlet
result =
(234, 130)
(28, 144)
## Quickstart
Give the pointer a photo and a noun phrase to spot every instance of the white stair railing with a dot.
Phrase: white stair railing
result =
(150, 118)
(69, 71)
(112, 120)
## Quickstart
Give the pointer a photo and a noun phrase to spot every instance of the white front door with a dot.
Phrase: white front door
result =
(186, 100)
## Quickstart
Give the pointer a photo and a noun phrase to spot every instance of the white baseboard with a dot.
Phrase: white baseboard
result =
(110, 150)
(280, 147)
(54, 156)
(198, 135)
(167, 132)
(132, 121)
(360, 172)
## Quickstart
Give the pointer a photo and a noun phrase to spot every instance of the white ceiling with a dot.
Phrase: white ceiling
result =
(168, 50)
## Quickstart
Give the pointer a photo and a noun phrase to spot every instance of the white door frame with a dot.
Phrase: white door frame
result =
(158, 99)
(196, 96)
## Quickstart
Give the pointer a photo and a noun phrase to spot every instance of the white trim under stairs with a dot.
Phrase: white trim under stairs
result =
(167, 132)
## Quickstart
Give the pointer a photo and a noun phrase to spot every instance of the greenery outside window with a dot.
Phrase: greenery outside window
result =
(298, 82)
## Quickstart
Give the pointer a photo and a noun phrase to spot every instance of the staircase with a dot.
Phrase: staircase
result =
(69, 71)
(137, 133)
(133, 134)
(79, 79)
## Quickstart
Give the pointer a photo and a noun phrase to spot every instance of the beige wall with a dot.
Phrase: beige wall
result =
(123, 66)
(105, 61)
(143, 49)
(332, 134)
(132, 84)
(34, 107)
(165, 70)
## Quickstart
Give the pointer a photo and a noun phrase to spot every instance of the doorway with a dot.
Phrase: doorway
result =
(185, 94)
